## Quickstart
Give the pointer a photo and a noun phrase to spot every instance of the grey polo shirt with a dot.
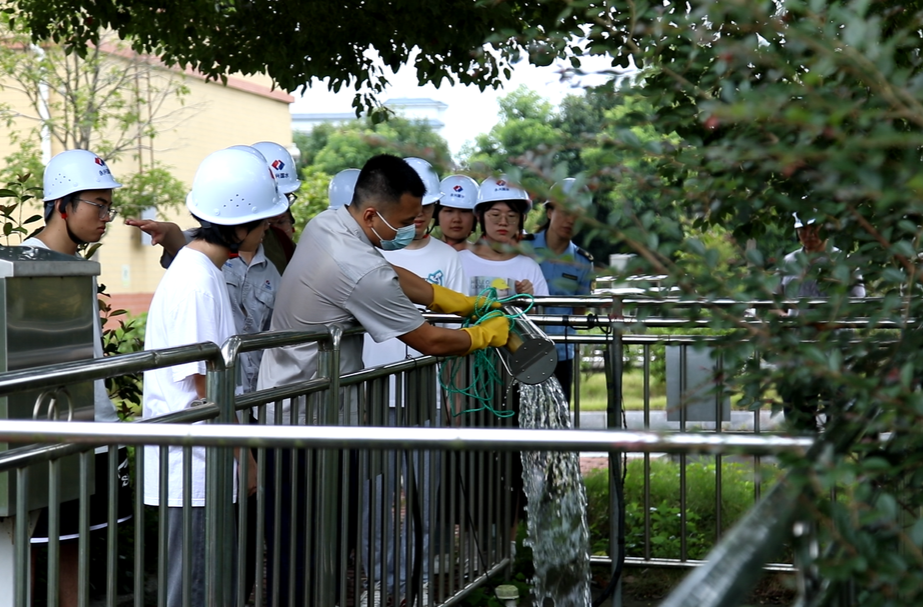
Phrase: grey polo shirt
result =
(336, 276)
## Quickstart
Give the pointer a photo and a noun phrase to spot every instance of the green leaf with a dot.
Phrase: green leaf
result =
(916, 533)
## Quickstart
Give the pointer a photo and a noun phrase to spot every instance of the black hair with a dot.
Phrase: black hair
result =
(517, 205)
(438, 210)
(544, 222)
(63, 202)
(384, 179)
(222, 235)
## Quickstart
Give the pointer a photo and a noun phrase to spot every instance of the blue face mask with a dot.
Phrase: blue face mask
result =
(402, 236)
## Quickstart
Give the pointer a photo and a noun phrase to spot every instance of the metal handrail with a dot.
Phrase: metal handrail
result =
(675, 302)
(353, 437)
(166, 431)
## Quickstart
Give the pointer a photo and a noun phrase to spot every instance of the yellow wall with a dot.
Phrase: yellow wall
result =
(211, 117)
(225, 117)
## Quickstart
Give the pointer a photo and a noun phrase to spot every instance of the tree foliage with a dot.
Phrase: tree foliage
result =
(543, 144)
(745, 112)
(471, 42)
(330, 148)
(814, 108)
(109, 100)
(333, 147)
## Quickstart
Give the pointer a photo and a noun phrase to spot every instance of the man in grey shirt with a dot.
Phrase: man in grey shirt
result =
(803, 395)
(338, 276)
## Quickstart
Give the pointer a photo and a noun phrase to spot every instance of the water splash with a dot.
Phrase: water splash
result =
(556, 503)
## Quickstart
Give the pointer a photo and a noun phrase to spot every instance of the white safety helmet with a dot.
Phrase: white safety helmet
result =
(459, 192)
(342, 186)
(258, 154)
(76, 171)
(800, 224)
(429, 177)
(497, 189)
(282, 165)
(233, 187)
(249, 149)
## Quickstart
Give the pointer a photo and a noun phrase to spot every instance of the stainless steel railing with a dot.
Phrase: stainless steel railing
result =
(377, 439)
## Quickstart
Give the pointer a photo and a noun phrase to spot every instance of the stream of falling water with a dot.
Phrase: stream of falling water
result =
(556, 503)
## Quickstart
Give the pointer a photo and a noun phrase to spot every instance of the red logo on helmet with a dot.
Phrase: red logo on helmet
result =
(99, 161)
(278, 165)
(501, 183)
(458, 188)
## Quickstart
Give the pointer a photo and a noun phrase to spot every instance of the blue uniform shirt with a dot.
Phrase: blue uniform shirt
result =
(566, 274)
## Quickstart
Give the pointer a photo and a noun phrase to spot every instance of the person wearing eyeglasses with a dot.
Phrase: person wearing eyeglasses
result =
(494, 260)
(78, 188)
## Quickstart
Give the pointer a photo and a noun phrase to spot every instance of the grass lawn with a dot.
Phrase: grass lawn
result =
(593, 395)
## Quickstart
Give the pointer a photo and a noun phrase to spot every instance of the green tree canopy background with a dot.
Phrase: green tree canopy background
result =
(744, 112)
(330, 148)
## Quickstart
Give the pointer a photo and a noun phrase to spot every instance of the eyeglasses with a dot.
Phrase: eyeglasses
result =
(497, 216)
(106, 213)
(281, 222)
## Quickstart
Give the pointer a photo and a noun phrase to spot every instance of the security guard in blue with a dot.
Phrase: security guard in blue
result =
(568, 270)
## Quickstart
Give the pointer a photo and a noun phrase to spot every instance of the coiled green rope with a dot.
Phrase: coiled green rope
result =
(485, 373)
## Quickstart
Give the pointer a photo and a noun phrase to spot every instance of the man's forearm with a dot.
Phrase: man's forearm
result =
(415, 288)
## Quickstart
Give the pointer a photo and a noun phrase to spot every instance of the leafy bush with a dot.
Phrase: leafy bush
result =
(737, 490)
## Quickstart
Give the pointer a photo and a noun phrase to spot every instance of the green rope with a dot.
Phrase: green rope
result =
(485, 374)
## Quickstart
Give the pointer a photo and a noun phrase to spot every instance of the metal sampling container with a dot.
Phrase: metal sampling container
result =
(529, 355)
(47, 310)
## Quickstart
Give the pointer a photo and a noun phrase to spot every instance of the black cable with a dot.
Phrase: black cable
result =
(620, 551)
(413, 497)
(620, 498)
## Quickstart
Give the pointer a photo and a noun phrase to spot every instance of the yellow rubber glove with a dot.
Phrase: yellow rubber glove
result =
(448, 301)
(492, 332)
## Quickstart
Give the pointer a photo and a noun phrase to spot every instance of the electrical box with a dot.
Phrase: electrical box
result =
(48, 305)
(691, 387)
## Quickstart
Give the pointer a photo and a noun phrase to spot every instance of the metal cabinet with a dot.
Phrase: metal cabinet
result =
(48, 306)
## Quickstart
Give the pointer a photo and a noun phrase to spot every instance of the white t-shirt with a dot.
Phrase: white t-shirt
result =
(190, 305)
(483, 273)
(435, 262)
(104, 410)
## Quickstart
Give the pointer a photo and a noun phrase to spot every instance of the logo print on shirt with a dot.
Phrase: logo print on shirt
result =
(267, 285)
(436, 278)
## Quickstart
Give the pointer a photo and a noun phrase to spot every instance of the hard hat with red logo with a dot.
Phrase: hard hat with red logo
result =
(76, 171)
(282, 164)
(459, 192)
(234, 187)
(499, 189)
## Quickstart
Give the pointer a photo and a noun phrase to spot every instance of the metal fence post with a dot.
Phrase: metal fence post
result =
(219, 486)
(614, 421)
(329, 516)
